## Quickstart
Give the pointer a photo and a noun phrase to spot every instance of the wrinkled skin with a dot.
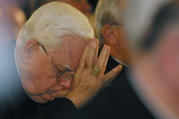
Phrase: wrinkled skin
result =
(39, 77)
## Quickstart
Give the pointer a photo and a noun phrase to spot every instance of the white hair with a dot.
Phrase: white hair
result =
(108, 12)
(52, 21)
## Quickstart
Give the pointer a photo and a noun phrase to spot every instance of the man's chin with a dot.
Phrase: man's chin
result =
(38, 99)
(41, 99)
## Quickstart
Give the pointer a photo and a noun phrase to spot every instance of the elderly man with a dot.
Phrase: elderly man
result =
(155, 67)
(48, 50)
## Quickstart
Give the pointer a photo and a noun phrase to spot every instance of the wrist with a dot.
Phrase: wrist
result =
(75, 100)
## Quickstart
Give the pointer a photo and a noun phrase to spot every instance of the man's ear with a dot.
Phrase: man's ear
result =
(109, 34)
(29, 48)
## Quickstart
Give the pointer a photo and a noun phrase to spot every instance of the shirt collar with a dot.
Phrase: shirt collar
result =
(119, 61)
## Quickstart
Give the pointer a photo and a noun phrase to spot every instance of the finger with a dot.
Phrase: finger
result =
(97, 49)
(83, 59)
(103, 68)
(81, 66)
(103, 58)
(91, 53)
(112, 74)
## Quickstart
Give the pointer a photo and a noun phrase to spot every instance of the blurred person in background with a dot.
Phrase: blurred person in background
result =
(48, 51)
(118, 99)
(110, 28)
(153, 30)
(22, 4)
(11, 20)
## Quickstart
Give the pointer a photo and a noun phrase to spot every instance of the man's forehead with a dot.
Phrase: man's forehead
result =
(71, 43)
(73, 37)
(69, 51)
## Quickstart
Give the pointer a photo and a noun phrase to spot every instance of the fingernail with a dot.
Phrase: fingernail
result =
(120, 67)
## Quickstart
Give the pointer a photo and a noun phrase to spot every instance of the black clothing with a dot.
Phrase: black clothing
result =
(21, 107)
(116, 101)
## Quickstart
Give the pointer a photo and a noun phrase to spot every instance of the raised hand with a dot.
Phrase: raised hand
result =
(90, 78)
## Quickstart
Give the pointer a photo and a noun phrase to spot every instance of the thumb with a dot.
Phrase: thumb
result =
(108, 77)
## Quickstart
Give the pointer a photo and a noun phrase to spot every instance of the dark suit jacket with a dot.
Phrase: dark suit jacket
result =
(117, 101)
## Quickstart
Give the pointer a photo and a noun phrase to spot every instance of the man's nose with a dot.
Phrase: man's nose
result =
(62, 85)
(65, 82)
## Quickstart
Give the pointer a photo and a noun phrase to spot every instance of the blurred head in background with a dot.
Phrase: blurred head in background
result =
(48, 50)
(110, 28)
(154, 41)
(11, 20)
